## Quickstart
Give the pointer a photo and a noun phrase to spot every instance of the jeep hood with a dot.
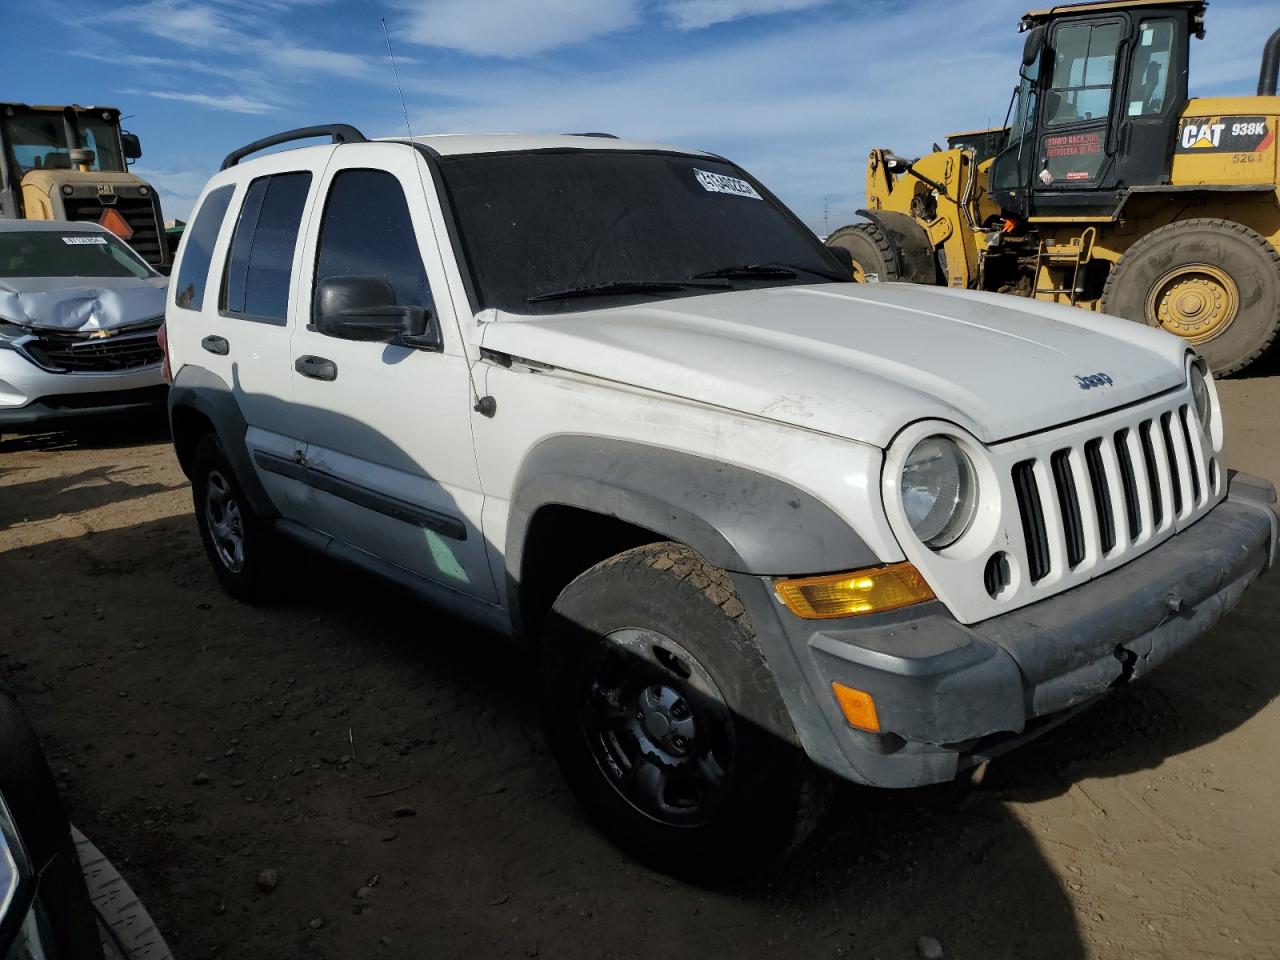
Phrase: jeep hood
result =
(81, 304)
(861, 360)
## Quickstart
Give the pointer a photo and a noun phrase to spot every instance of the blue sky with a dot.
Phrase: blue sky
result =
(796, 91)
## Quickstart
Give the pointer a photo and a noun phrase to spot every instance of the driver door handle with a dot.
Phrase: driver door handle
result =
(317, 368)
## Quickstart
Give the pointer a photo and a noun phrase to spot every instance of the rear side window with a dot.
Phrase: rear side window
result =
(194, 272)
(366, 232)
(256, 284)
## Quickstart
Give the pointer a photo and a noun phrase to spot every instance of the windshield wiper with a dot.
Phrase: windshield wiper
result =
(624, 286)
(764, 271)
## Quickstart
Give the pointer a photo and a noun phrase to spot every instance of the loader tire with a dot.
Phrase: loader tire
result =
(871, 249)
(1212, 282)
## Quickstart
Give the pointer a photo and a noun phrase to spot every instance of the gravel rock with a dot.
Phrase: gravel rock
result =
(267, 880)
(315, 923)
(929, 949)
(405, 811)
(201, 779)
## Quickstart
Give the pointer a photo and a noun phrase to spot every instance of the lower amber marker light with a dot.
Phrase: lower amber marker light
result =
(873, 590)
(858, 707)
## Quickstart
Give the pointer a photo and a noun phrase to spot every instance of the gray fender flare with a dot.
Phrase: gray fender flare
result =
(198, 389)
(739, 520)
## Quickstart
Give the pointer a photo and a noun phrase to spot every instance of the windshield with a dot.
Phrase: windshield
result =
(37, 140)
(612, 225)
(54, 253)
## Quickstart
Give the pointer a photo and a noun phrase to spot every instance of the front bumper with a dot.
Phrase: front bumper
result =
(950, 696)
(30, 395)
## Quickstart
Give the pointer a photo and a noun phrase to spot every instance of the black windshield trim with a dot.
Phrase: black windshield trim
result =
(434, 160)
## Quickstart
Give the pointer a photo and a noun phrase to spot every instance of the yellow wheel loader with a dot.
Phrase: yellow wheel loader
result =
(1109, 189)
(72, 163)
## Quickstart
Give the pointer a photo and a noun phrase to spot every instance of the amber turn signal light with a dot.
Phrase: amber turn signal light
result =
(873, 590)
(858, 708)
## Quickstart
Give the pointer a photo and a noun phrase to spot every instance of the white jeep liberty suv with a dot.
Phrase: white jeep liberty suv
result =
(753, 519)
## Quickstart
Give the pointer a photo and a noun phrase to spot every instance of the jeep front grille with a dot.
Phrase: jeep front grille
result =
(1153, 474)
(82, 353)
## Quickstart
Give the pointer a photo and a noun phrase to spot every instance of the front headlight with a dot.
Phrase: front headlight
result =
(24, 927)
(9, 332)
(1200, 394)
(939, 491)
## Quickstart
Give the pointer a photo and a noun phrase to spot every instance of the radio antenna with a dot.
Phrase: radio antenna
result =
(396, 73)
(482, 405)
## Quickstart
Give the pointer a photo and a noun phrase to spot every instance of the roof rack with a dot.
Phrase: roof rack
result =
(606, 136)
(337, 133)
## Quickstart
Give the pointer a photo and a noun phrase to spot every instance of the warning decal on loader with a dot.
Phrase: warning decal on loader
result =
(1224, 135)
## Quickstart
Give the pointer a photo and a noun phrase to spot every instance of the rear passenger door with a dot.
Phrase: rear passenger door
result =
(246, 305)
(388, 427)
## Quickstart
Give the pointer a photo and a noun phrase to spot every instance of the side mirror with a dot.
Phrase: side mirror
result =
(1032, 46)
(132, 146)
(844, 256)
(365, 308)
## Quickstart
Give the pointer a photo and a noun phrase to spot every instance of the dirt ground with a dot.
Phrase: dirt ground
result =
(384, 760)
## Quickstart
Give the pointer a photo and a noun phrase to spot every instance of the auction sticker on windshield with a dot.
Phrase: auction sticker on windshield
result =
(720, 183)
(78, 241)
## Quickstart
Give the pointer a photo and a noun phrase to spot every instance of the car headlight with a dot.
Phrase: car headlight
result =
(10, 332)
(1200, 394)
(24, 927)
(939, 491)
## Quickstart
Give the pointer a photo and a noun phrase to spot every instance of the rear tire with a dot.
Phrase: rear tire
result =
(1213, 282)
(126, 929)
(871, 249)
(235, 540)
(658, 706)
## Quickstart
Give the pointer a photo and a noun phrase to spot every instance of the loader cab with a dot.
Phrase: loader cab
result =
(1096, 112)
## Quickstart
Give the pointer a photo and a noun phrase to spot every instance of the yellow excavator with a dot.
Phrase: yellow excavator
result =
(1108, 189)
(72, 163)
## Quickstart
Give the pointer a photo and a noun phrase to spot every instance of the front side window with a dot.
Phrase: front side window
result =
(548, 231)
(193, 272)
(256, 283)
(1150, 75)
(55, 253)
(366, 232)
(1083, 71)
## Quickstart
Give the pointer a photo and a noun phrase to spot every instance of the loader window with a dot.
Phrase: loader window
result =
(1084, 70)
(1150, 74)
(38, 139)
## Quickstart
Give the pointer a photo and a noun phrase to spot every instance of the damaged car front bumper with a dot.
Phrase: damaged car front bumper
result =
(51, 375)
(950, 695)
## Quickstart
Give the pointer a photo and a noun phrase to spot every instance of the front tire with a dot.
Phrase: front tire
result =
(1213, 282)
(871, 249)
(665, 718)
(235, 540)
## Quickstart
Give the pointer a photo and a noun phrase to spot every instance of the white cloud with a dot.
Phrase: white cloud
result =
(513, 28)
(178, 188)
(231, 102)
(695, 14)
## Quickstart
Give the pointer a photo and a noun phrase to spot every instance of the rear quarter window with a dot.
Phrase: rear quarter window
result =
(193, 272)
